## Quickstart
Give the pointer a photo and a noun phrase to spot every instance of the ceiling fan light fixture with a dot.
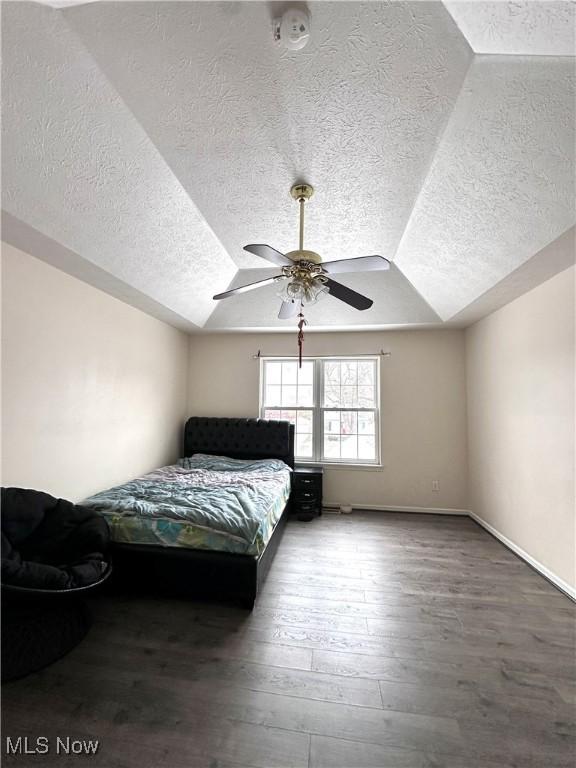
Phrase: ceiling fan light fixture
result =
(315, 293)
(289, 291)
(302, 291)
(293, 292)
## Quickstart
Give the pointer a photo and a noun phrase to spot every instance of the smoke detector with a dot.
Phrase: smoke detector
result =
(292, 29)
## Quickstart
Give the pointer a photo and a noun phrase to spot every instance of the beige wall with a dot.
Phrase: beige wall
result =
(520, 373)
(94, 391)
(423, 407)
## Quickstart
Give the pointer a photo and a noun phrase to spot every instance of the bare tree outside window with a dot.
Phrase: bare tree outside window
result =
(333, 404)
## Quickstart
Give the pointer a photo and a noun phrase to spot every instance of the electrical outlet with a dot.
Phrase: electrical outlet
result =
(435, 485)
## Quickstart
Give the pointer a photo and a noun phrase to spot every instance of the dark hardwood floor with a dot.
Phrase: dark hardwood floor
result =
(380, 641)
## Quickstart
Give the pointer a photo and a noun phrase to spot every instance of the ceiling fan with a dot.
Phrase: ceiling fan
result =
(304, 273)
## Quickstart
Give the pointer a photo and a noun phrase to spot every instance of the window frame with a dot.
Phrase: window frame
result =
(318, 409)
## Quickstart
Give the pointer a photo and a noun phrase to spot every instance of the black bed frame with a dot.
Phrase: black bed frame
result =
(206, 573)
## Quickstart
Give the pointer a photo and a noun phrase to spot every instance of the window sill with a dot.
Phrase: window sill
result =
(340, 465)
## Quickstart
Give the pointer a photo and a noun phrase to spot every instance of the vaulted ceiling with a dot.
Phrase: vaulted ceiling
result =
(144, 143)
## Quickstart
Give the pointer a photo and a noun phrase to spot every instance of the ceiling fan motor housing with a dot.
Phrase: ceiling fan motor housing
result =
(312, 256)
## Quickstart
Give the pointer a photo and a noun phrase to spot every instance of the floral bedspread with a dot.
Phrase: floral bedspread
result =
(203, 502)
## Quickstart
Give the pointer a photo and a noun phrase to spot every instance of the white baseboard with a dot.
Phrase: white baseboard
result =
(562, 585)
(419, 510)
(536, 564)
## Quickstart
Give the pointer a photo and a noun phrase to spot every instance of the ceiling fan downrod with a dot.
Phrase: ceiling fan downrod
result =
(301, 193)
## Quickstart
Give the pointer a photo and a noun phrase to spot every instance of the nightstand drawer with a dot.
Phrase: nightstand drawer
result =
(302, 496)
(309, 507)
(307, 481)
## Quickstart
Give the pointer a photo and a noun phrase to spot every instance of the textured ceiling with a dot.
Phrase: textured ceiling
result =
(501, 185)
(522, 28)
(356, 112)
(152, 140)
(554, 258)
(80, 169)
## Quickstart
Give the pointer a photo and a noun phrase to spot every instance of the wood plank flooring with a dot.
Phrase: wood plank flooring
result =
(380, 641)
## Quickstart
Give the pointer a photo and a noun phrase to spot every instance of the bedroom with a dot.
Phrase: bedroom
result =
(144, 145)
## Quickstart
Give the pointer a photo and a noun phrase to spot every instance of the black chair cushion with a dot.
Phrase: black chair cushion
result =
(50, 543)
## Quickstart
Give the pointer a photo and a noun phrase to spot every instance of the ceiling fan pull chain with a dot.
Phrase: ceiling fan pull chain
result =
(301, 324)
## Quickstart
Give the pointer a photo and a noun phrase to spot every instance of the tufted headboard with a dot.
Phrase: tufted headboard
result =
(240, 438)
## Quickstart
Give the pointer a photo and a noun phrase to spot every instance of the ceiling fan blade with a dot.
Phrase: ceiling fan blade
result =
(342, 292)
(248, 287)
(360, 264)
(271, 254)
(288, 309)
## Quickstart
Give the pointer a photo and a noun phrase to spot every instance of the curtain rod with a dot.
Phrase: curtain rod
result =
(259, 355)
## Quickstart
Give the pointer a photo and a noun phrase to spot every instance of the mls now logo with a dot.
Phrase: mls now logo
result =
(68, 746)
(41, 746)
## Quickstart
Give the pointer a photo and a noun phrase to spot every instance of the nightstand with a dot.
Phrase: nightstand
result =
(306, 496)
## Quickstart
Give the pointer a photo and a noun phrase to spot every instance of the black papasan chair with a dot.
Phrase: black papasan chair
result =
(54, 553)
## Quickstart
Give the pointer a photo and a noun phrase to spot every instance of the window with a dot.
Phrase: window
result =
(333, 403)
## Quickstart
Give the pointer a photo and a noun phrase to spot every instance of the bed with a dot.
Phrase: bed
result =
(210, 524)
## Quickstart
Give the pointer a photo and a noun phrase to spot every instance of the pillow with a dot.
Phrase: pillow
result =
(226, 464)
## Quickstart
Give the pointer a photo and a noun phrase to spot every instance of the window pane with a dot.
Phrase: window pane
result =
(273, 373)
(366, 423)
(348, 423)
(332, 422)
(367, 447)
(366, 397)
(349, 384)
(288, 395)
(356, 431)
(348, 396)
(306, 373)
(331, 384)
(331, 373)
(331, 395)
(349, 373)
(349, 447)
(304, 446)
(289, 373)
(304, 422)
(305, 379)
(279, 415)
(331, 446)
(305, 395)
(366, 373)
(273, 395)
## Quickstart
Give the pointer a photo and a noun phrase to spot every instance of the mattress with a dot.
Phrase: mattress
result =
(202, 502)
